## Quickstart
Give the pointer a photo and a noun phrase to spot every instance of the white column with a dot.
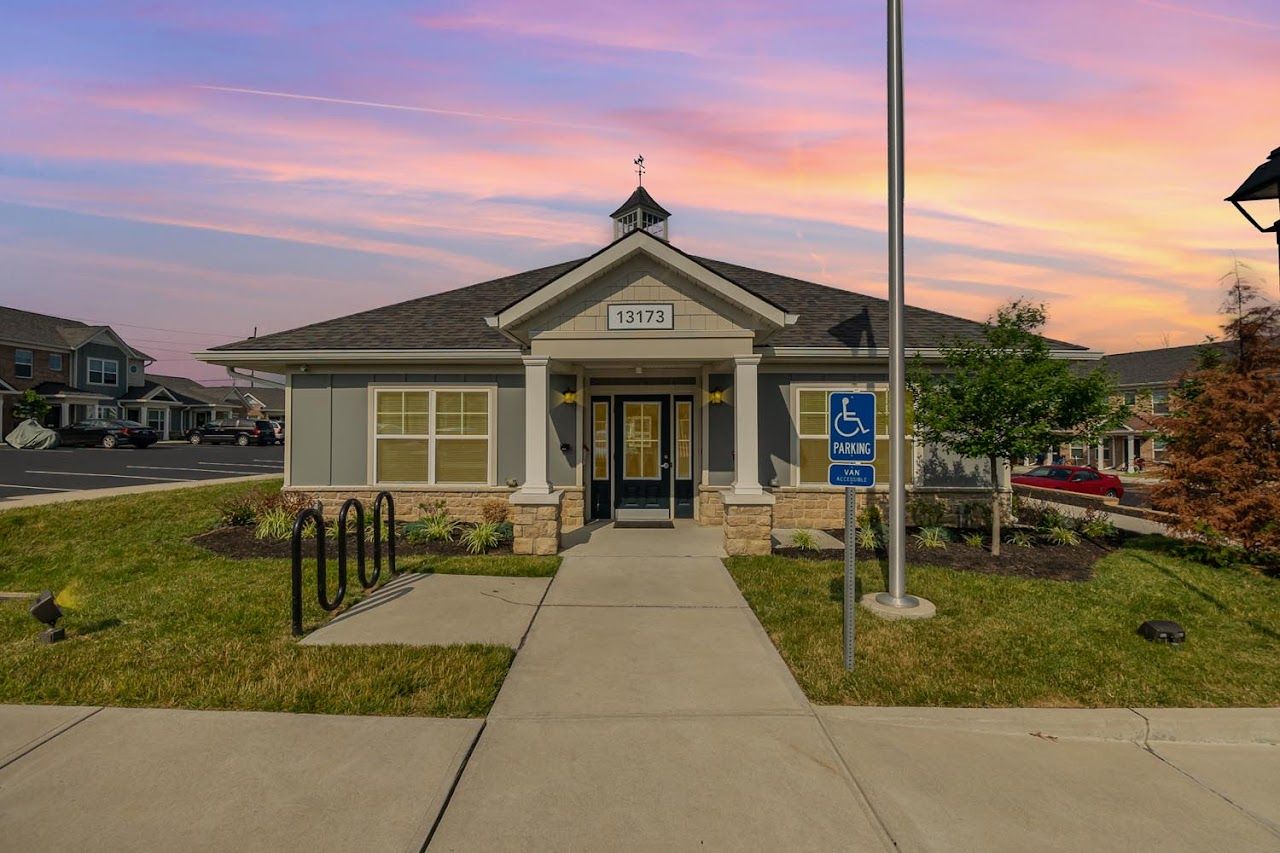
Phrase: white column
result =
(66, 415)
(536, 390)
(168, 413)
(1098, 461)
(144, 415)
(1128, 463)
(746, 414)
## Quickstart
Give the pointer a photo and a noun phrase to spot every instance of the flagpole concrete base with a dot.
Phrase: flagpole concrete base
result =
(924, 608)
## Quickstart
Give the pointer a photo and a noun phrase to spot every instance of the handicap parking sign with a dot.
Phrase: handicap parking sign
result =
(851, 426)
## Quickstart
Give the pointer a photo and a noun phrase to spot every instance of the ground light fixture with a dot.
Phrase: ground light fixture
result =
(47, 612)
(1162, 631)
(1259, 194)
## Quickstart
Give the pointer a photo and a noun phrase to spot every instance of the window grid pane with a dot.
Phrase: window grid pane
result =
(462, 460)
(812, 413)
(600, 441)
(684, 440)
(402, 460)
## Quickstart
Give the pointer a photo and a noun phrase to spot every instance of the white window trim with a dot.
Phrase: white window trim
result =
(29, 364)
(103, 371)
(371, 462)
(882, 431)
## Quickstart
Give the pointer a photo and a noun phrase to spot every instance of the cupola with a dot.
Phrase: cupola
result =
(640, 211)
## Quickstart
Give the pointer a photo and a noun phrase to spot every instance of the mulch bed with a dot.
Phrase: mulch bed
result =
(1042, 561)
(239, 543)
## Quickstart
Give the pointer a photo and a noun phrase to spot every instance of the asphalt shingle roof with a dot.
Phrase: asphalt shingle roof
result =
(642, 198)
(187, 390)
(455, 319)
(1158, 366)
(48, 331)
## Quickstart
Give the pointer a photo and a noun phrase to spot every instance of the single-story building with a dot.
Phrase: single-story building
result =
(638, 383)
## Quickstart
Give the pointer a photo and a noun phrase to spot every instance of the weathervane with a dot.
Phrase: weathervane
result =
(639, 161)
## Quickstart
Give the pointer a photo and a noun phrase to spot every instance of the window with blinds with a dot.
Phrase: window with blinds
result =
(439, 436)
(811, 427)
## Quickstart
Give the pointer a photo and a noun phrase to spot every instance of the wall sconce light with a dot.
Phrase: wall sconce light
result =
(716, 397)
(47, 611)
(569, 397)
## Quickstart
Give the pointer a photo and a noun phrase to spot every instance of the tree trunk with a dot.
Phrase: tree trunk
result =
(995, 507)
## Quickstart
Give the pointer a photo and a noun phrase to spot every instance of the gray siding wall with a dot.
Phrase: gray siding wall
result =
(95, 350)
(329, 424)
(720, 433)
(563, 429)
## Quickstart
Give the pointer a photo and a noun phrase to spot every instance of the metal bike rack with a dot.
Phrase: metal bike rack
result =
(314, 514)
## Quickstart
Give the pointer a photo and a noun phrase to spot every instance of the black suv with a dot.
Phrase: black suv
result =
(241, 431)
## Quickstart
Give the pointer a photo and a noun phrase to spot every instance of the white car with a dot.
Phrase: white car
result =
(278, 429)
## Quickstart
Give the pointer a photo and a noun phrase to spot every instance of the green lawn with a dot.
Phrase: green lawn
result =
(506, 566)
(153, 620)
(1006, 642)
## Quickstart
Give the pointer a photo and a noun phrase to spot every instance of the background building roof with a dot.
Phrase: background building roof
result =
(1159, 366)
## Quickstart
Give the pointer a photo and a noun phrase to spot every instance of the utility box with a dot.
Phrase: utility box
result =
(1162, 631)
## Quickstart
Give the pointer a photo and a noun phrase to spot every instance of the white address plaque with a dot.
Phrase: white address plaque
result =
(642, 315)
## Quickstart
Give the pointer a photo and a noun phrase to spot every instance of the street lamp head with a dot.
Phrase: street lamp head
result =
(1261, 186)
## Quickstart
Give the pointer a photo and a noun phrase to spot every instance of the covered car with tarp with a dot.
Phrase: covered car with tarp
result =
(29, 435)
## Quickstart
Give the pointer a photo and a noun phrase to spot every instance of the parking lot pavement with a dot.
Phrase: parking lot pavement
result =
(24, 473)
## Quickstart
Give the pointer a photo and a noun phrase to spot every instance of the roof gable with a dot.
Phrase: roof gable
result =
(622, 251)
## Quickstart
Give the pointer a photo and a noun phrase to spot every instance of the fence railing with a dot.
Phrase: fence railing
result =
(313, 515)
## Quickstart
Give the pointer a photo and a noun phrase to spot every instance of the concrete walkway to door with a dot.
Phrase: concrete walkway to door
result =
(647, 709)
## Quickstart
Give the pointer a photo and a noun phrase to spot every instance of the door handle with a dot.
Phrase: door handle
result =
(666, 465)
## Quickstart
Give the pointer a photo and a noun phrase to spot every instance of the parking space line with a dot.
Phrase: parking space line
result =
(117, 476)
(36, 488)
(197, 470)
(276, 465)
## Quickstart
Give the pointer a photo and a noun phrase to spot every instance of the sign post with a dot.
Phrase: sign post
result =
(851, 444)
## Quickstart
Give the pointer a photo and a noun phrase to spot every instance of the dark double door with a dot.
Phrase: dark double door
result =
(651, 467)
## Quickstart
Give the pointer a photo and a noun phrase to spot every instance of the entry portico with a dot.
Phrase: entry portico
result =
(641, 382)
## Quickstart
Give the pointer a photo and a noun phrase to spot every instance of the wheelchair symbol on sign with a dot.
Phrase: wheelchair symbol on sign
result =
(847, 423)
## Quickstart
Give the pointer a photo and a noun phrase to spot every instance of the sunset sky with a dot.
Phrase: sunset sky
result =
(188, 171)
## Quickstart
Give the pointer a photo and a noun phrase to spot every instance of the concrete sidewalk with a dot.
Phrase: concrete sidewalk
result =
(1066, 779)
(648, 710)
(427, 610)
(91, 779)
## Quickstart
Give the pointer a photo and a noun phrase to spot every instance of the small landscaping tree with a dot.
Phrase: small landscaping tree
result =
(31, 405)
(1223, 434)
(1005, 396)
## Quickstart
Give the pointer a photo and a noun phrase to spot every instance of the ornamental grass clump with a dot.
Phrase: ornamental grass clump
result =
(1062, 535)
(975, 540)
(481, 537)
(1021, 539)
(868, 538)
(932, 537)
(804, 540)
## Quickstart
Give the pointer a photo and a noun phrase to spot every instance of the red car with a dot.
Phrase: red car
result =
(1072, 478)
